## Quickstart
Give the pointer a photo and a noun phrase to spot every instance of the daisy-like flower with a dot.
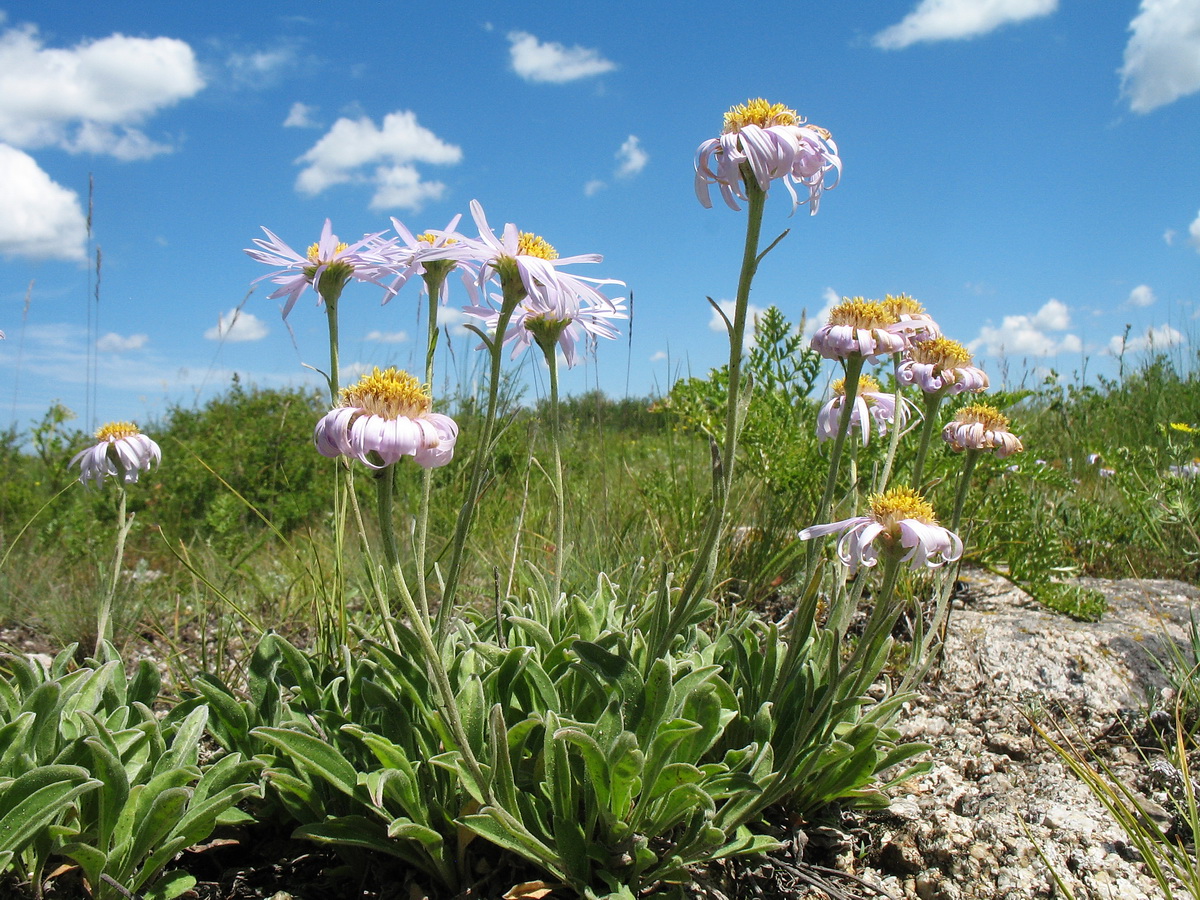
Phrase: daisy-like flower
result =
(328, 262)
(863, 327)
(941, 364)
(569, 324)
(982, 427)
(912, 317)
(411, 253)
(384, 417)
(524, 263)
(120, 451)
(901, 524)
(774, 143)
(872, 406)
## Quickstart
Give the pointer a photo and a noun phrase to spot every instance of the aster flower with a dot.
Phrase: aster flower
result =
(383, 417)
(773, 142)
(982, 427)
(901, 524)
(941, 365)
(524, 258)
(567, 323)
(412, 253)
(860, 327)
(120, 451)
(911, 317)
(870, 403)
(328, 261)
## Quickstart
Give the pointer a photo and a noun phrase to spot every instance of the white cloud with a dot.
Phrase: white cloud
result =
(1029, 335)
(352, 146)
(451, 318)
(1141, 295)
(42, 219)
(259, 68)
(631, 158)
(1162, 58)
(1194, 233)
(659, 356)
(388, 337)
(830, 298)
(593, 187)
(1157, 337)
(115, 343)
(89, 98)
(940, 20)
(237, 326)
(717, 324)
(1169, 237)
(553, 63)
(300, 116)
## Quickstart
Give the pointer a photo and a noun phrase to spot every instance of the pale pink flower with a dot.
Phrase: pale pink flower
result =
(941, 365)
(982, 427)
(775, 143)
(120, 451)
(370, 259)
(859, 327)
(383, 418)
(873, 407)
(901, 524)
(569, 324)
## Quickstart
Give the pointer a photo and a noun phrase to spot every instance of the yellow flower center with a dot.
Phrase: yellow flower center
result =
(1184, 427)
(982, 414)
(865, 383)
(534, 245)
(314, 253)
(390, 394)
(862, 314)
(902, 304)
(901, 503)
(941, 352)
(114, 431)
(430, 238)
(761, 113)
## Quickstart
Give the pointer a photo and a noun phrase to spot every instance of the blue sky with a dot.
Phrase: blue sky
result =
(1026, 168)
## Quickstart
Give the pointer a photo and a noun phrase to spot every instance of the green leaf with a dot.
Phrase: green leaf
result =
(170, 886)
(315, 757)
(36, 799)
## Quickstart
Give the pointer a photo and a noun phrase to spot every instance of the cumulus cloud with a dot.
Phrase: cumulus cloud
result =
(259, 69)
(830, 298)
(90, 97)
(1162, 58)
(42, 219)
(631, 158)
(1194, 233)
(553, 63)
(237, 326)
(1025, 335)
(452, 319)
(358, 151)
(941, 20)
(1142, 295)
(115, 343)
(387, 337)
(593, 187)
(1157, 337)
(659, 356)
(716, 323)
(300, 116)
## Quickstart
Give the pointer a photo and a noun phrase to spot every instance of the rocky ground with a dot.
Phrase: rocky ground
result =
(967, 829)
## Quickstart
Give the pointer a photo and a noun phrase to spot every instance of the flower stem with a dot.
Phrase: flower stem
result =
(556, 471)
(514, 293)
(932, 402)
(104, 613)
(703, 570)
(964, 484)
(435, 278)
(894, 437)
